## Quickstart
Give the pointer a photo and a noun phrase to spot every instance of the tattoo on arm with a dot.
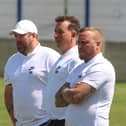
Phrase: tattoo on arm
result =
(59, 100)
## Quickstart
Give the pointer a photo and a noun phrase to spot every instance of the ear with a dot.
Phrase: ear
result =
(34, 35)
(74, 33)
(98, 43)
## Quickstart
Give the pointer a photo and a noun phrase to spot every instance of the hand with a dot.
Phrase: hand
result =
(67, 95)
(60, 101)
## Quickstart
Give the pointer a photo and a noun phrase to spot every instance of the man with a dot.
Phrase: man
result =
(26, 76)
(66, 32)
(89, 89)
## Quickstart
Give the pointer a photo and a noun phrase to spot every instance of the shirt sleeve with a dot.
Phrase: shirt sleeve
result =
(6, 76)
(96, 76)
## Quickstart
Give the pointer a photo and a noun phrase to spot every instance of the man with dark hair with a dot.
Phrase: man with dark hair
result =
(66, 33)
(74, 22)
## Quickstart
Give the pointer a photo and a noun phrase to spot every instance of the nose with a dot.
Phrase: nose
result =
(18, 39)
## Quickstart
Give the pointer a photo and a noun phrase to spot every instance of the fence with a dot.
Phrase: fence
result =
(108, 15)
(115, 52)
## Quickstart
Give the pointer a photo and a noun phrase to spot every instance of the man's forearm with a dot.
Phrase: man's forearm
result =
(11, 114)
(59, 100)
(8, 98)
(78, 93)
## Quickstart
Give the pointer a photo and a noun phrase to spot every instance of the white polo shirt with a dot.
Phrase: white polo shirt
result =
(57, 77)
(28, 76)
(93, 111)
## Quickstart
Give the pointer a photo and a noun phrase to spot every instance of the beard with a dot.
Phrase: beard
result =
(22, 49)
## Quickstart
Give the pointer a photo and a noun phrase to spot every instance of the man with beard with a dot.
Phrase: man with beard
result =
(26, 76)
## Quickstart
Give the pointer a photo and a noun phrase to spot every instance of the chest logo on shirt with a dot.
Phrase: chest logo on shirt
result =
(57, 69)
(80, 76)
(31, 69)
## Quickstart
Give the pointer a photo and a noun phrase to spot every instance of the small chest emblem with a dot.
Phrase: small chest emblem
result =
(80, 75)
(57, 69)
(31, 69)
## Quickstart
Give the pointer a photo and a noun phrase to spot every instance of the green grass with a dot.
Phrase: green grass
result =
(117, 114)
(118, 110)
(4, 118)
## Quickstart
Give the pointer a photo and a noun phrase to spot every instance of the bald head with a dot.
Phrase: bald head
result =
(98, 35)
(90, 42)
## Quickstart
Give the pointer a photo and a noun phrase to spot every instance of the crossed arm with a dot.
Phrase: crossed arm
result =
(75, 95)
(8, 98)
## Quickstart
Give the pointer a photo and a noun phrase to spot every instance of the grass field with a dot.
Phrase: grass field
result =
(117, 114)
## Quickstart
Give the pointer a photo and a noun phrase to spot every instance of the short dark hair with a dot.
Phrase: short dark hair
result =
(74, 22)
